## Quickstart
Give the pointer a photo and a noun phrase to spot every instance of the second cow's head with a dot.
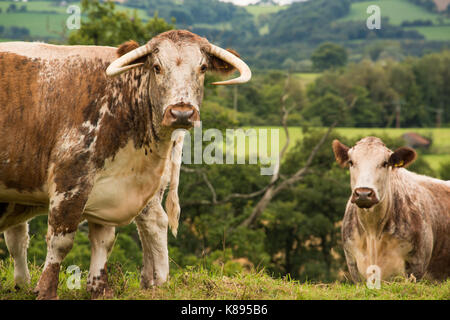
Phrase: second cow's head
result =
(371, 165)
(175, 63)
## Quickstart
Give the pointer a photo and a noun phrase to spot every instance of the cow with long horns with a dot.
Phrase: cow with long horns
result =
(78, 143)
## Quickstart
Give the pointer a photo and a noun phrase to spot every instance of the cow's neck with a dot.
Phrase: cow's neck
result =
(373, 220)
(381, 218)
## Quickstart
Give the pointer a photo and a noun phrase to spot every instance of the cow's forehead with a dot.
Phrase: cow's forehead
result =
(370, 148)
(183, 52)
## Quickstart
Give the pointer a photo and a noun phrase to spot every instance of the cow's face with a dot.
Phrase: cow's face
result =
(177, 74)
(175, 63)
(371, 163)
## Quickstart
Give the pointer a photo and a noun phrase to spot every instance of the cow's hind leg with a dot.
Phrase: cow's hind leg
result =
(152, 225)
(102, 241)
(16, 239)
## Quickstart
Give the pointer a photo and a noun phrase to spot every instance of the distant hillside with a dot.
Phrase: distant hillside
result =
(270, 36)
(407, 14)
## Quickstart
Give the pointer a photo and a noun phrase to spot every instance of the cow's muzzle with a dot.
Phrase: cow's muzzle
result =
(180, 115)
(364, 198)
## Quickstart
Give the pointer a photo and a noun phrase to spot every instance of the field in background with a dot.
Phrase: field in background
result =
(402, 10)
(199, 284)
(44, 19)
(438, 154)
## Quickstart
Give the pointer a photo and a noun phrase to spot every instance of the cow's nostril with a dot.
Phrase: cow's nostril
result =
(364, 192)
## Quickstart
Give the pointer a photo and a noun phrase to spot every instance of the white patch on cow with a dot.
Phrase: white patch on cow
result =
(58, 245)
(57, 52)
(125, 184)
(102, 241)
(70, 140)
(88, 125)
(152, 228)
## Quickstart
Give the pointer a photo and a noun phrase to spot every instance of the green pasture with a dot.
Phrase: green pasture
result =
(43, 19)
(402, 10)
(438, 153)
(257, 10)
(396, 10)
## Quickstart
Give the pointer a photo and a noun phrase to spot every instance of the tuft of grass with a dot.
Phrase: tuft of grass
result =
(201, 284)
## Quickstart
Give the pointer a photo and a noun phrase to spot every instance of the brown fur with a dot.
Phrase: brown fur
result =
(340, 152)
(102, 288)
(220, 66)
(47, 286)
(127, 47)
(402, 157)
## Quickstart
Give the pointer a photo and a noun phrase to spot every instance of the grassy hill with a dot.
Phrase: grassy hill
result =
(42, 18)
(399, 11)
(46, 20)
(249, 285)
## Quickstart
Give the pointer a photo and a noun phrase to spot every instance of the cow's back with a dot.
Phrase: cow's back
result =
(46, 93)
(439, 267)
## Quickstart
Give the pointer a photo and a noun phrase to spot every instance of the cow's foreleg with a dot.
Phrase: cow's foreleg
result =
(64, 216)
(102, 241)
(152, 227)
(16, 239)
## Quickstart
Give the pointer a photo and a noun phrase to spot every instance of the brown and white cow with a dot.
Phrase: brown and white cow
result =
(395, 219)
(81, 143)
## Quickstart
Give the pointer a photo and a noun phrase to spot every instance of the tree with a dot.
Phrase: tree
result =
(329, 55)
(105, 26)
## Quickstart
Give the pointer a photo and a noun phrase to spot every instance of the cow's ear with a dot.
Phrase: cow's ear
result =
(220, 66)
(402, 157)
(127, 47)
(340, 153)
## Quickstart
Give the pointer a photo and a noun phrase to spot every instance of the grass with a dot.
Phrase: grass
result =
(434, 32)
(307, 78)
(257, 10)
(250, 285)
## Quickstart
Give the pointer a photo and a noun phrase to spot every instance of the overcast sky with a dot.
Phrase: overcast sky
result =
(246, 2)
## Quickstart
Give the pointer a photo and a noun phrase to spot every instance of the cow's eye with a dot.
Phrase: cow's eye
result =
(157, 68)
(350, 163)
(385, 164)
(203, 68)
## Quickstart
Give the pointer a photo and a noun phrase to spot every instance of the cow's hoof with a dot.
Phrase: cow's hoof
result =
(44, 294)
(47, 296)
(146, 283)
(105, 293)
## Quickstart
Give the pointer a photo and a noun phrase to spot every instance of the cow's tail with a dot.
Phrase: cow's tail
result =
(172, 200)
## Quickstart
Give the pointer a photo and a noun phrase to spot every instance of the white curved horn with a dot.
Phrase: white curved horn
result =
(236, 62)
(120, 65)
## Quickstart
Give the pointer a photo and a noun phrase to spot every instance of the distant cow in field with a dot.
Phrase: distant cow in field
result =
(81, 143)
(396, 220)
